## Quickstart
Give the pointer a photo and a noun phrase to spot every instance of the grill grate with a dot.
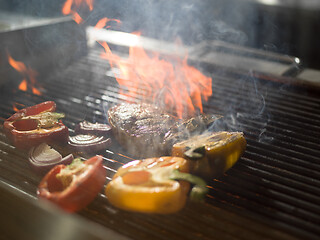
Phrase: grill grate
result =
(272, 192)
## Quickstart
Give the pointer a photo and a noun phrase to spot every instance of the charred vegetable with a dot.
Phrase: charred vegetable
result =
(42, 158)
(212, 154)
(98, 129)
(152, 186)
(74, 186)
(34, 125)
(88, 143)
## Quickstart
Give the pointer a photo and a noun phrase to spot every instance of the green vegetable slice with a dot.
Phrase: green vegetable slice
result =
(198, 191)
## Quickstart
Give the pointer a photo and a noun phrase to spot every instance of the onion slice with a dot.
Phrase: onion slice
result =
(42, 158)
(98, 129)
(88, 143)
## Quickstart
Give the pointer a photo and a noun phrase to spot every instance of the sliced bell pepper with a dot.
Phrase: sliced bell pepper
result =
(34, 125)
(74, 186)
(211, 154)
(150, 185)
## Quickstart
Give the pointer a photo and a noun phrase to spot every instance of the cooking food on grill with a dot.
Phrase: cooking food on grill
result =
(145, 130)
(43, 157)
(34, 125)
(74, 186)
(211, 154)
(151, 185)
(88, 143)
(98, 129)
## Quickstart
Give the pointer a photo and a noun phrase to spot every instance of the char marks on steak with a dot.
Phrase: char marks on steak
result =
(145, 130)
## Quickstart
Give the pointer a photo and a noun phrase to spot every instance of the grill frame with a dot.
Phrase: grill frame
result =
(267, 194)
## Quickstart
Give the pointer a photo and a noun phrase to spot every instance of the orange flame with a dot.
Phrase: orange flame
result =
(15, 108)
(72, 7)
(23, 85)
(27, 73)
(19, 66)
(108, 53)
(174, 84)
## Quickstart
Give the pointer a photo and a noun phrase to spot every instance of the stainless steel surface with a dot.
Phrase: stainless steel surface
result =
(312, 5)
(221, 54)
(235, 57)
(24, 217)
(43, 45)
(10, 21)
(310, 76)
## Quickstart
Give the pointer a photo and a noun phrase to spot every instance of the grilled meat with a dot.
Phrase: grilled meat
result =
(145, 130)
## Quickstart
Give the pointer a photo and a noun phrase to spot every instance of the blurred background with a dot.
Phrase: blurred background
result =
(289, 27)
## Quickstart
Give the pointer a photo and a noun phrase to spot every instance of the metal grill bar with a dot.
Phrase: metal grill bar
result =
(273, 189)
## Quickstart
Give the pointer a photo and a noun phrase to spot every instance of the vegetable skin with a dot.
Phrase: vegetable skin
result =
(211, 154)
(151, 193)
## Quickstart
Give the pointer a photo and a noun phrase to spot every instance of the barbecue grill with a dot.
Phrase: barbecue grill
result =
(271, 193)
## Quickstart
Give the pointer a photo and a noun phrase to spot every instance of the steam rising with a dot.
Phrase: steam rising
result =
(192, 22)
(245, 106)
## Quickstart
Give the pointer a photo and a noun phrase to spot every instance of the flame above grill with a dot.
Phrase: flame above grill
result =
(173, 84)
(168, 82)
(72, 7)
(29, 76)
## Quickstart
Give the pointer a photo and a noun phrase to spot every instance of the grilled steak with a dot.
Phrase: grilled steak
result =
(145, 130)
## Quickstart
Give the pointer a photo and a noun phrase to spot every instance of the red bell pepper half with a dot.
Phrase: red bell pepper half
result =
(34, 125)
(74, 186)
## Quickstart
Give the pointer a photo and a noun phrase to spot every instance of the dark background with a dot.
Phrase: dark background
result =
(288, 27)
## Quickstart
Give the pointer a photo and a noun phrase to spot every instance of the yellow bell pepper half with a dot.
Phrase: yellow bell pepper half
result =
(211, 154)
(147, 186)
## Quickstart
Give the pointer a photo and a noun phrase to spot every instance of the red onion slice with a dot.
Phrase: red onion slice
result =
(98, 129)
(88, 143)
(43, 157)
